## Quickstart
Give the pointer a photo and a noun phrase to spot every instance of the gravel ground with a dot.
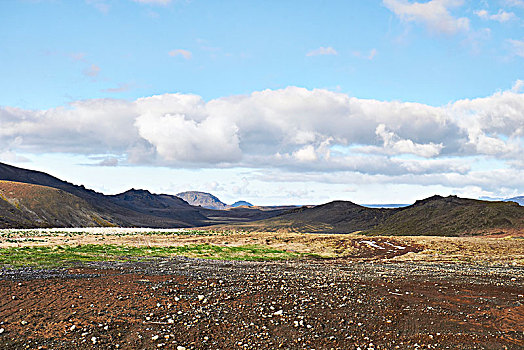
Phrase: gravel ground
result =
(182, 303)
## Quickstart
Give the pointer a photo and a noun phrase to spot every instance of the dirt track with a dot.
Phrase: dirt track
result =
(202, 304)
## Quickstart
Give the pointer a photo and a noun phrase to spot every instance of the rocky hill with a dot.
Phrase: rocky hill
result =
(202, 199)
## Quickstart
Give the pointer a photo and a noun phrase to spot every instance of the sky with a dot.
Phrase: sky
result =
(273, 102)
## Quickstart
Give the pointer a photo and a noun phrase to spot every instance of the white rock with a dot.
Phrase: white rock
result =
(200, 297)
(2, 330)
(180, 347)
(279, 312)
(72, 328)
(155, 337)
(93, 340)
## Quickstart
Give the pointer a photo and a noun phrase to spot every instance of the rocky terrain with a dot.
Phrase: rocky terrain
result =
(183, 303)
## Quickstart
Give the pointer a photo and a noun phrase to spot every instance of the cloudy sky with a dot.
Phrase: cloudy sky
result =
(274, 102)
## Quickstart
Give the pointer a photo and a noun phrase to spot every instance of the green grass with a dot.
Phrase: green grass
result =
(67, 255)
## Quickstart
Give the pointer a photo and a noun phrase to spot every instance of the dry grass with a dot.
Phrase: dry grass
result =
(489, 250)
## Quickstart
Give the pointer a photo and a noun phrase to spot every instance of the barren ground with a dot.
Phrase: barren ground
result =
(372, 293)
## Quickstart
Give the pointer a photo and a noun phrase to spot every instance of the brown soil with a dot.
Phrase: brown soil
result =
(199, 304)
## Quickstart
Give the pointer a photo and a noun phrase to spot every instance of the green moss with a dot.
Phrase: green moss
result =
(66, 255)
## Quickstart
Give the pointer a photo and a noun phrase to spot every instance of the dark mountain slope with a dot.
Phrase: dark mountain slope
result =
(453, 216)
(161, 205)
(121, 215)
(25, 205)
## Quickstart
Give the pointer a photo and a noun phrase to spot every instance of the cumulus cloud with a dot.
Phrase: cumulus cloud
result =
(295, 130)
(181, 52)
(501, 16)
(435, 14)
(322, 51)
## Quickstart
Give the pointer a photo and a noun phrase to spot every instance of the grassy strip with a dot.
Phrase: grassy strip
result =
(66, 255)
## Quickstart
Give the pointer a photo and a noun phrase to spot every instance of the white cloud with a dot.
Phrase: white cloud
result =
(295, 130)
(181, 52)
(322, 51)
(434, 14)
(501, 16)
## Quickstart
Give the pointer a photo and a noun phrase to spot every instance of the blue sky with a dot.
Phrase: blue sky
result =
(274, 102)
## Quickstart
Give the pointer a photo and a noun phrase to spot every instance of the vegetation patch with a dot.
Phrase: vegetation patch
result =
(67, 255)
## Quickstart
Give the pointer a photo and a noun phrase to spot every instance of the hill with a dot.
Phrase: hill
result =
(453, 216)
(241, 204)
(30, 206)
(202, 199)
(519, 200)
(434, 216)
(333, 217)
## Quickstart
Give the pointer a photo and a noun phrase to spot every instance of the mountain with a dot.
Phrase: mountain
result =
(202, 199)
(332, 217)
(519, 200)
(433, 216)
(30, 206)
(453, 216)
(241, 204)
(133, 208)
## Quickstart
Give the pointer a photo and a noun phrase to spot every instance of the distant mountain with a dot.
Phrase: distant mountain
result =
(241, 204)
(202, 199)
(385, 205)
(434, 216)
(519, 200)
(30, 206)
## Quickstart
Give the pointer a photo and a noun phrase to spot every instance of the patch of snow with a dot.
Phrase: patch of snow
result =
(372, 244)
(395, 246)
